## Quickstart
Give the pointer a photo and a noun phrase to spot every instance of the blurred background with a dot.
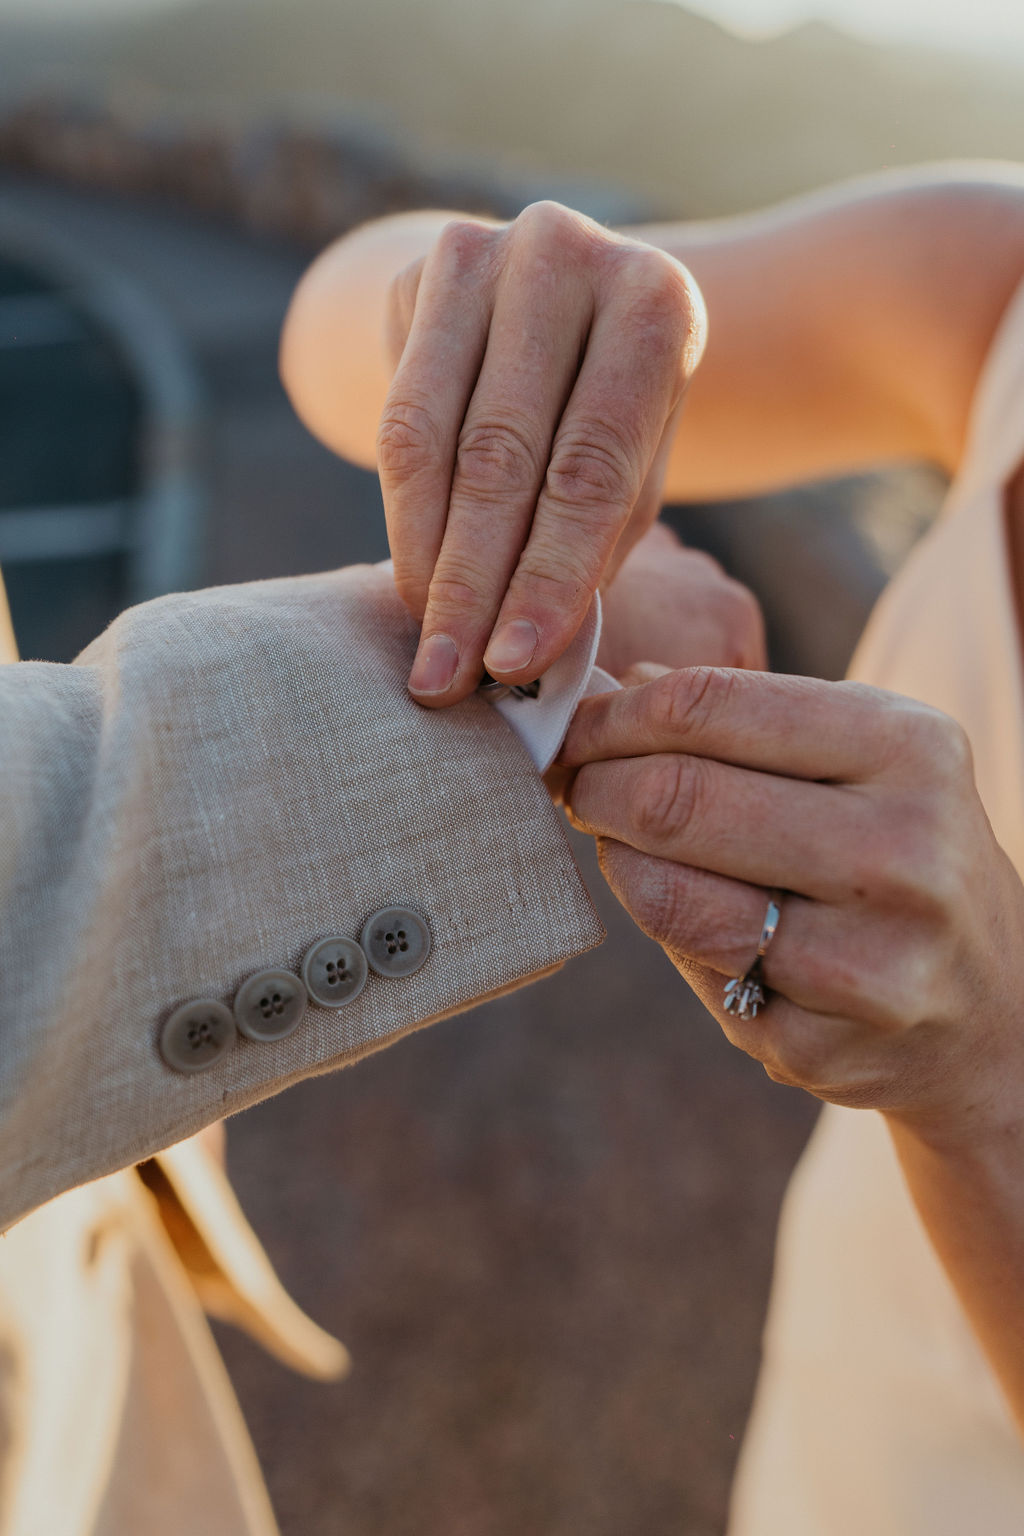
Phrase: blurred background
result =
(545, 1228)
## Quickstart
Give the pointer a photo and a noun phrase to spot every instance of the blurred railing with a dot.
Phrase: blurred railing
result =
(100, 441)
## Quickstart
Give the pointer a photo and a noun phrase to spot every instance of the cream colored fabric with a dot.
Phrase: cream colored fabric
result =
(876, 1413)
(227, 1265)
(218, 781)
(118, 1414)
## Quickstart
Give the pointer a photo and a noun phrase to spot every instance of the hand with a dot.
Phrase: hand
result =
(676, 607)
(896, 974)
(525, 437)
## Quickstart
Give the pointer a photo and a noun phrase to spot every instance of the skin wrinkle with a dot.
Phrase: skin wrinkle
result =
(849, 330)
(493, 461)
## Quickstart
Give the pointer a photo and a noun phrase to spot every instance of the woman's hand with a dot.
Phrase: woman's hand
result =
(676, 607)
(895, 978)
(670, 606)
(541, 368)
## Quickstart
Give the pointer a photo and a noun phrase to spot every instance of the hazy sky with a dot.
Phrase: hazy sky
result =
(988, 25)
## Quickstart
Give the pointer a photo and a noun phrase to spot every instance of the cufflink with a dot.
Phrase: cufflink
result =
(492, 689)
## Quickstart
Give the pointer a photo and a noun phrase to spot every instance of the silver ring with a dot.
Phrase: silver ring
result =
(744, 995)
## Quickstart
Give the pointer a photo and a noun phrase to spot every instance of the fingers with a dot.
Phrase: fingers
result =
(525, 437)
(426, 404)
(798, 726)
(694, 914)
(613, 426)
(537, 332)
(750, 826)
(819, 962)
(677, 606)
(824, 1054)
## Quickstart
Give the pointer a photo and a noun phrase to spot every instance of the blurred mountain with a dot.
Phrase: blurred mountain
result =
(636, 92)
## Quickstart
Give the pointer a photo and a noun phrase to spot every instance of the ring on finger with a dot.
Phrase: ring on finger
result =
(745, 994)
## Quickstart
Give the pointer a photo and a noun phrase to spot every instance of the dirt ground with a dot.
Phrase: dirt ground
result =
(544, 1230)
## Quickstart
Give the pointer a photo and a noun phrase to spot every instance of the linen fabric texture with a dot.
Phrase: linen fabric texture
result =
(218, 781)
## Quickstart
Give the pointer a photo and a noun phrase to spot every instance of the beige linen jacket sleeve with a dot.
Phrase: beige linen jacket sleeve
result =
(217, 782)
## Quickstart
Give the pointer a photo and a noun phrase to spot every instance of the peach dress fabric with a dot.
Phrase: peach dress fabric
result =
(877, 1413)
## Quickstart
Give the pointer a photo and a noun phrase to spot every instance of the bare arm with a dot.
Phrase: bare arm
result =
(970, 1197)
(846, 328)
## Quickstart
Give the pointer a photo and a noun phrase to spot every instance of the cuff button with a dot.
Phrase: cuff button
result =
(197, 1035)
(397, 941)
(335, 972)
(269, 1006)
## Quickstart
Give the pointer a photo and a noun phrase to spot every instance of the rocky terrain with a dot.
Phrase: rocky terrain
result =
(639, 94)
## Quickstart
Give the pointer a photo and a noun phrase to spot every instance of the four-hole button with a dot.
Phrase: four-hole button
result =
(397, 941)
(196, 1035)
(269, 1006)
(334, 971)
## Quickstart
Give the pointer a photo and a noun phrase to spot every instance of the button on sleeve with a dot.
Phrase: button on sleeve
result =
(334, 971)
(197, 1035)
(270, 1005)
(397, 941)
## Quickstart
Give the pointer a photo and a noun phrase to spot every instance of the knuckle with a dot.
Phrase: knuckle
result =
(900, 996)
(668, 287)
(799, 1058)
(670, 800)
(594, 469)
(927, 743)
(944, 745)
(463, 244)
(557, 579)
(580, 799)
(495, 457)
(412, 586)
(684, 702)
(742, 627)
(669, 307)
(659, 901)
(886, 986)
(920, 868)
(408, 440)
(457, 589)
(546, 221)
(858, 991)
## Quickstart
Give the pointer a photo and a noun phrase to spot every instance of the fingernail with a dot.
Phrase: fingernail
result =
(436, 664)
(511, 647)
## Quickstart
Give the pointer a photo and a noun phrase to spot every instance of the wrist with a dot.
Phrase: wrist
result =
(992, 1129)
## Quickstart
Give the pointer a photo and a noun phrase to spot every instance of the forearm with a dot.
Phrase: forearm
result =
(846, 328)
(335, 361)
(971, 1201)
